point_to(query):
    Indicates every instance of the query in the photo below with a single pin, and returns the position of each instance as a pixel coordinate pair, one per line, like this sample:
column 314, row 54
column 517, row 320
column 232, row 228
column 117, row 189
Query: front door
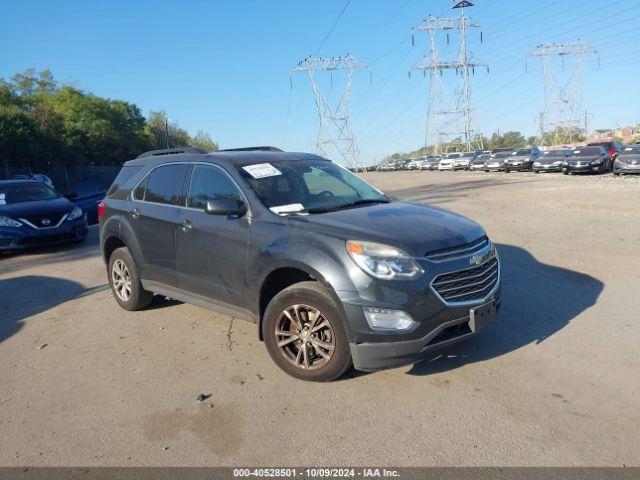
column 153, row 214
column 212, row 249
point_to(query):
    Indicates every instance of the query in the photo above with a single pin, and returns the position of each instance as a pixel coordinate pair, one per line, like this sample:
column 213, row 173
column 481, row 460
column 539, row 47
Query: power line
column 326, row 37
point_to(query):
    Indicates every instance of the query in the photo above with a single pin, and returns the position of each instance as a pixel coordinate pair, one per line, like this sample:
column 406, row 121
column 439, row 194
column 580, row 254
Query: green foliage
column 44, row 122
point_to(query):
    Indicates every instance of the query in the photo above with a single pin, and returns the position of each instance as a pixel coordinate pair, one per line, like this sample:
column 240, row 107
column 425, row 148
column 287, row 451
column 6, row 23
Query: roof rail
column 252, row 149
column 172, row 151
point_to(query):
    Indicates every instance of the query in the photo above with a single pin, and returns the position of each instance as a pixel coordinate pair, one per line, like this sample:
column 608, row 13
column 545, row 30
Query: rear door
column 212, row 249
column 153, row 213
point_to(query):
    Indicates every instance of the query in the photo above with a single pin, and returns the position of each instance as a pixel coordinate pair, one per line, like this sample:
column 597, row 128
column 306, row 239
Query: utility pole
column 449, row 114
column 563, row 107
column 335, row 134
column 166, row 129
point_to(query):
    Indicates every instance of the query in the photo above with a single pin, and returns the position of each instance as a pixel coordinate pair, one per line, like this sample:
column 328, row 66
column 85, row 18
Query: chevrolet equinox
column 334, row 272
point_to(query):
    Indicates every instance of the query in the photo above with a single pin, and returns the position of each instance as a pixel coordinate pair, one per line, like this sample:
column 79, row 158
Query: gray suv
column 334, row 272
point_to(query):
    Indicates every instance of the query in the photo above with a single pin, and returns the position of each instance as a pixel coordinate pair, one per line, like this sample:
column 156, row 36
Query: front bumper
column 624, row 168
column 581, row 168
column 19, row 238
column 495, row 168
column 381, row 355
column 547, row 168
column 439, row 322
column 519, row 167
column 442, row 168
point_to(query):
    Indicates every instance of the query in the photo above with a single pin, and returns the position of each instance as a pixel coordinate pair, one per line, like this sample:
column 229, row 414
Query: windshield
column 452, row 155
column 501, row 155
column 25, row 192
column 522, row 151
column 311, row 186
column 468, row 154
column 588, row 151
column 481, row 158
column 631, row 151
column 556, row 153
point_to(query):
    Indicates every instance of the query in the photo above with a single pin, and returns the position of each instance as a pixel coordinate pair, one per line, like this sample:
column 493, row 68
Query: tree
column 157, row 126
column 203, row 140
column 513, row 139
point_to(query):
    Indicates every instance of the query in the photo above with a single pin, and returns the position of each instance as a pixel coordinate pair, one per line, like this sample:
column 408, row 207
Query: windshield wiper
column 344, row 206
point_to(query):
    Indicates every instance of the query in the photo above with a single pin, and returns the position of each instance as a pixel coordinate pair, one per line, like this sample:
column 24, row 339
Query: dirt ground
column 554, row 382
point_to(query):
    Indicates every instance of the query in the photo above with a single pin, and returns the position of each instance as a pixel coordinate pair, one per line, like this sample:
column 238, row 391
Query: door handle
column 185, row 226
column 135, row 213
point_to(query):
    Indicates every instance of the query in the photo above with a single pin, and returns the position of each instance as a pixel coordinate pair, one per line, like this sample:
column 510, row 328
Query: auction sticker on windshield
column 2, row 199
column 262, row 170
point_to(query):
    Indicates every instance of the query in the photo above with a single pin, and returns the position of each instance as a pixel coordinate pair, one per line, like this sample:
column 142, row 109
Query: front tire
column 125, row 283
column 304, row 333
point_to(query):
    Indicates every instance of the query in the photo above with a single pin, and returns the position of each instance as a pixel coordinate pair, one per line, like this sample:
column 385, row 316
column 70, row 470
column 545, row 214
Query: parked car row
column 598, row 157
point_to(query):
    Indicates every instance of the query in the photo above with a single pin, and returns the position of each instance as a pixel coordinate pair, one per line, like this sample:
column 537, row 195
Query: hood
column 40, row 207
column 414, row 227
column 629, row 158
column 549, row 160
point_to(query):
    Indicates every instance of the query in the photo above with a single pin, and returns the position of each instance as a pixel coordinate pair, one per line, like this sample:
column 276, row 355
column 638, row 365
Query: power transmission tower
column 564, row 113
column 334, row 130
column 449, row 114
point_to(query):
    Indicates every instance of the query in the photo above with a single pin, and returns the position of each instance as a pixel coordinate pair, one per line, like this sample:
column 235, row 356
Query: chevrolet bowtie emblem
column 46, row 221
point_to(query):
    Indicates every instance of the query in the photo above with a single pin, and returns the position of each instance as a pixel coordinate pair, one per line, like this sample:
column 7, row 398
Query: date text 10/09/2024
column 316, row 472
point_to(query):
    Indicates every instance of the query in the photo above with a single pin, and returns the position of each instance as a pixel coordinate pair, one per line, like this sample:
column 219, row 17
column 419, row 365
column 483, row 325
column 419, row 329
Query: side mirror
column 229, row 207
column 71, row 196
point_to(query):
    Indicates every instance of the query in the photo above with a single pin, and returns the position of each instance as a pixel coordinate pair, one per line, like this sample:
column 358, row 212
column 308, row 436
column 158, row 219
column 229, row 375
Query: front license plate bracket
column 483, row 316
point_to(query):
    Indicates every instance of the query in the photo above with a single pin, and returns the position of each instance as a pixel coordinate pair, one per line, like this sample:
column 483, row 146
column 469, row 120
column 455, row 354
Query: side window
column 165, row 185
column 138, row 193
column 210, row 183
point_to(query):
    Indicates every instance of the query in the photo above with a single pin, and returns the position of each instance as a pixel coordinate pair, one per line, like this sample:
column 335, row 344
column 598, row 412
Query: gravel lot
column 554, row 382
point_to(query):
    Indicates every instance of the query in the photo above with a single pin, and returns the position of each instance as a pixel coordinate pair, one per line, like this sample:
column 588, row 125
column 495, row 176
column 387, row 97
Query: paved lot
column 555, row 382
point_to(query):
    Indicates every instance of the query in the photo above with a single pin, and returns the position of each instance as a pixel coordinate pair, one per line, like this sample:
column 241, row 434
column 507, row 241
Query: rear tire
column 293, row 339
column 125, row 283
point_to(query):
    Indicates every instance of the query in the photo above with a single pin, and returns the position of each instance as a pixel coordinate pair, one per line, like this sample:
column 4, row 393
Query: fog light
column 393, row 320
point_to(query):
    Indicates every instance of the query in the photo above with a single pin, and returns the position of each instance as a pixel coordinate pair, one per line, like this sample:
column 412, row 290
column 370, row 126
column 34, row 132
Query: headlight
column 383, row 261
column 75, row 213
column 9, row 222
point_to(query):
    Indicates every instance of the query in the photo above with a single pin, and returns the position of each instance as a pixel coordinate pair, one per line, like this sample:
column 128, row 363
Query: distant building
column 627, row 134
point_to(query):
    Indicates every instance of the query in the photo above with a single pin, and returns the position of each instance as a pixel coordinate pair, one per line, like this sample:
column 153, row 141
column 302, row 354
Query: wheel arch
column 284, row 276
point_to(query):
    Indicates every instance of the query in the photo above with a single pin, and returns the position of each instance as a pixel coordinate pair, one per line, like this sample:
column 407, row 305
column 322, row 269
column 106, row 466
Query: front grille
column 49, row 220
column 469, row 285
column 45, row 239
column 458, row 251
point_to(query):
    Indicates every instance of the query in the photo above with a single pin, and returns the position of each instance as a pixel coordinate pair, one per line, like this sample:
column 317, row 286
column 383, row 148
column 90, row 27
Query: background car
column 521, row 159
column 413, row 164
column 431, row 162
column 463, row 161
column 38, row 177
column 612, row 147
column 32, row 214
column 551, row 161
column 594, row 159
column 446, row 163
column 628, row 161
column 87, row 194
column 478, row 162
column 496, row 161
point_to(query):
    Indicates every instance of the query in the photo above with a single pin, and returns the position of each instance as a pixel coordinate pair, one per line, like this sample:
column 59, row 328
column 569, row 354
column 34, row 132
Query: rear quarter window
column 124, row 175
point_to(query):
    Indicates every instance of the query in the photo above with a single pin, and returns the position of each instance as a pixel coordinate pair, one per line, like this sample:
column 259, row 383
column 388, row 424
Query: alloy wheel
column 121, row 280
column 305, row 337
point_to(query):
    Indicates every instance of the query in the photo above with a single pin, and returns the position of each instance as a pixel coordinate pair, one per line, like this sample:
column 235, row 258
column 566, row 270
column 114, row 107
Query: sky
column 223, row 66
